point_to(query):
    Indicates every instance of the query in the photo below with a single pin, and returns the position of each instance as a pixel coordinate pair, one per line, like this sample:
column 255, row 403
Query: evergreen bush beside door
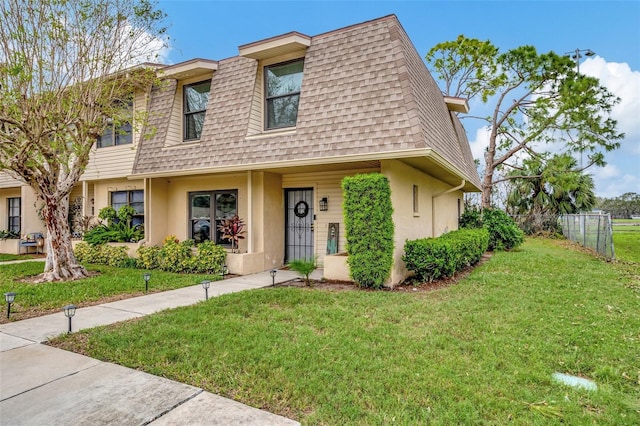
column 369, row 228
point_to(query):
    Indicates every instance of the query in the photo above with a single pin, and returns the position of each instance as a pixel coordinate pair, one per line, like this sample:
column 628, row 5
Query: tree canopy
column 66, row 69
column 539, row 104
column 623, row 206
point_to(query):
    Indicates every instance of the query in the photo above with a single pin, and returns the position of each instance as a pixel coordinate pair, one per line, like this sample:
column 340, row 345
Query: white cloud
column 624, row 83
column 480, row 143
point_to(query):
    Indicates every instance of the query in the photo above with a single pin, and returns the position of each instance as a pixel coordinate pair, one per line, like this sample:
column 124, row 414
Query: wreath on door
column 301, row 209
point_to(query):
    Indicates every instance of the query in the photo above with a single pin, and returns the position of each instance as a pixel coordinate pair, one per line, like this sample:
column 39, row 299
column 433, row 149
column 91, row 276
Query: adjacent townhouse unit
column 269, row 135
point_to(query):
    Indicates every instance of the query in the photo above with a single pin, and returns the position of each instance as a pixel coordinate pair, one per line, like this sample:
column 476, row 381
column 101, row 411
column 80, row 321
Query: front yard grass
column 626, row 242
column 5, row 257
column 479, row 352
column 108, row 283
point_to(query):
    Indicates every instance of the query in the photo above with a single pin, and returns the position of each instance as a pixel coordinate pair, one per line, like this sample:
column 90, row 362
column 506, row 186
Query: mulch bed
column 410, row 285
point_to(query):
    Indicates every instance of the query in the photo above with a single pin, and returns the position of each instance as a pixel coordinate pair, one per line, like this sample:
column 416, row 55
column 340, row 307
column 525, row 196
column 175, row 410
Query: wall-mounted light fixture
column 324, row 204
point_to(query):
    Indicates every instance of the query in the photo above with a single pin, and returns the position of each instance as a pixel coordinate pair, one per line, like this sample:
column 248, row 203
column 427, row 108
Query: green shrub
column 504, row 233
column 210, row 258
column 304, row 267
column 9, row 235
column 108, row 214
column 470, row 218
column 118, row 229
column 176, row 256
column 369, row 228
column 149, row 257
column 434, row 258
column 103, row 254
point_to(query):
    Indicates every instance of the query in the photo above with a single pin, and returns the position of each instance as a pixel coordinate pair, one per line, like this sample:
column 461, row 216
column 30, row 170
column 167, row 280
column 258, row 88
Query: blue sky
column 215, row 29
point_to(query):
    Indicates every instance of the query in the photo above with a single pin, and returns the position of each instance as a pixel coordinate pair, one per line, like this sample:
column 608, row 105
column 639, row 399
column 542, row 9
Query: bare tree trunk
column 61, row 263
column 487, row 187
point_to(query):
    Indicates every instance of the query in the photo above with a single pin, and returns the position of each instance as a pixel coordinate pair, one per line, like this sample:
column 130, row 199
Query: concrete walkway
column 42, row 385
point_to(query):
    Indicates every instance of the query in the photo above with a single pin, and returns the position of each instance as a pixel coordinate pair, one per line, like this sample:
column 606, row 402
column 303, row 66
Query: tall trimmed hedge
column 369, row 228
column 434, row 258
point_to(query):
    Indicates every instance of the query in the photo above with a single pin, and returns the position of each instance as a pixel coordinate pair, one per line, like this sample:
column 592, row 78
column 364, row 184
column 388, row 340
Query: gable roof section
column 366, row 95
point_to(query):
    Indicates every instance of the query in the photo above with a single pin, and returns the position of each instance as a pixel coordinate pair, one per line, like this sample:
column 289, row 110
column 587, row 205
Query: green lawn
column 626, row 243
column 37, row 299
column 478, row 352
column 4, row 257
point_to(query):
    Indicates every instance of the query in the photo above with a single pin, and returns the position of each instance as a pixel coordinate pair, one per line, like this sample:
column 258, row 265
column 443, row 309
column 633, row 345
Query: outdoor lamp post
column 273, row 273
column 69, row 311
column 577, row 54
column 206, row 284
column 146, row 277
column 9, row 297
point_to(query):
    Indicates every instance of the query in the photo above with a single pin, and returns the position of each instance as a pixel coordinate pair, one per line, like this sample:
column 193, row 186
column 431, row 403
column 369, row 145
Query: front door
column 299, row 224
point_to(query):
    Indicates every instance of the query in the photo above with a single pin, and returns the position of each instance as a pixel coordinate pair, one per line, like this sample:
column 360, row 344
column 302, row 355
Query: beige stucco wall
column 30, row 220
column 6, row 193
column 260, row 205
column 167, row 203
column 268, row 218
column 102, row 189
column 324, row 184
column 427, row 221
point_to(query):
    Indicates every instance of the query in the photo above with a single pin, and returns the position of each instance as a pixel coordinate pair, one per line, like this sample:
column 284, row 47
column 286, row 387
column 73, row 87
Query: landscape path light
column 206, row 284
column 146, row 277
column 9, row 297
column 69, row 312
column 273, row 273
column 224, row 271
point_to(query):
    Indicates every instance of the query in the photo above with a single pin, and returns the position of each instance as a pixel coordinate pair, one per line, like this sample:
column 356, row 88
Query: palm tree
column 541, row 190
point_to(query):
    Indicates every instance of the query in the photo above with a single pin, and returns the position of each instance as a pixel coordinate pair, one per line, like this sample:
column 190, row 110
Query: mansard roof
column 366, row 96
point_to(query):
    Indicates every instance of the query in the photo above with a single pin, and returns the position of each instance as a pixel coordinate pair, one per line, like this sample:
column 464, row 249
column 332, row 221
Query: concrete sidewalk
column 41, row 385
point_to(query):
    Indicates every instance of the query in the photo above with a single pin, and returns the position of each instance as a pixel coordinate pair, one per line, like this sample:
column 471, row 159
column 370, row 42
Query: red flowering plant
column 232, row 229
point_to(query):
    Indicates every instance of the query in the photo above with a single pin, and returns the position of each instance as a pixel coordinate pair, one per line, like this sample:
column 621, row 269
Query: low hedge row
column 180, row 256
column 434, row 258
column 173, row 256
column 103, row 254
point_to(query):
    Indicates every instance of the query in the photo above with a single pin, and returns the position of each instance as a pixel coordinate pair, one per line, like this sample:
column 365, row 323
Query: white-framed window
column 416, row 200
column 14, row 211
column 283, row 83
column 196, row 97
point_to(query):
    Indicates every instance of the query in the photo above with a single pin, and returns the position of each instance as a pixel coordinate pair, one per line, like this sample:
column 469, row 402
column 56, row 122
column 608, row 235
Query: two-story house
column 269, row 134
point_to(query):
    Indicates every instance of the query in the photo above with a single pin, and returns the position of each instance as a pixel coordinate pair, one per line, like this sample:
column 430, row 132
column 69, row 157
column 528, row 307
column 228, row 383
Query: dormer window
column 196, row 97
column 282, row 94
column 119, row 130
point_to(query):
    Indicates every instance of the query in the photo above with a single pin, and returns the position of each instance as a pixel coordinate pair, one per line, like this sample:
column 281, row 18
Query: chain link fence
column 593, row 231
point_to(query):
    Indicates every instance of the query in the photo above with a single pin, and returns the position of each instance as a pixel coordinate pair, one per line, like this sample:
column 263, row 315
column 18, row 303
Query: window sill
column 122, row 145
column 416, row 214
column 182, row 144
column 270, row 133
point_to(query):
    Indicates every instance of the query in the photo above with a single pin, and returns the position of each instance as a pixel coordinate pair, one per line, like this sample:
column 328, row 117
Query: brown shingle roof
column 365, row 91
